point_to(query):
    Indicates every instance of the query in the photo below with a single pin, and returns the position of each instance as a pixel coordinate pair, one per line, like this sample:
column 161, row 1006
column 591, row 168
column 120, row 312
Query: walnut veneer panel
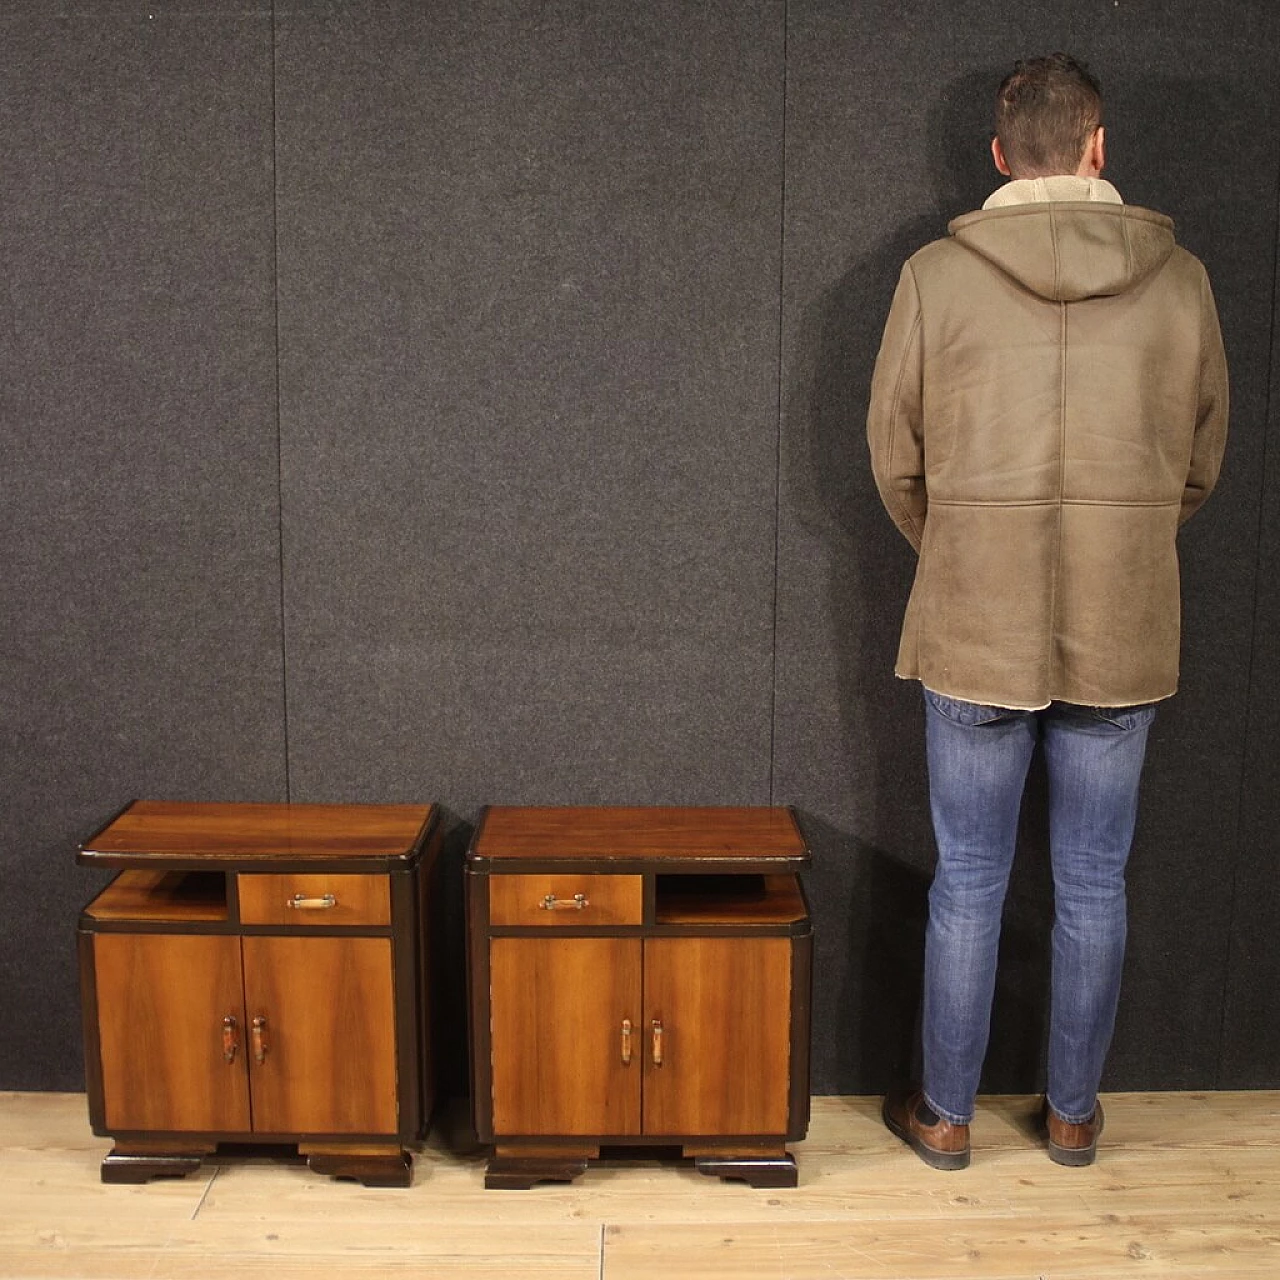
column 606, row 899
column 763, row 833
column 330, row 1062
column 722, row 1004
column 723, row 900
column 177, row 896
column 557, row 1007
column 162, row 831
column 270, row 899
column 163, row 1063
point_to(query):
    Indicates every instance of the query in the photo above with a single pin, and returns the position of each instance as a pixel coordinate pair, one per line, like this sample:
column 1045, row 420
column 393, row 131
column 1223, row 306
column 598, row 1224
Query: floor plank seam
column 204, row 1195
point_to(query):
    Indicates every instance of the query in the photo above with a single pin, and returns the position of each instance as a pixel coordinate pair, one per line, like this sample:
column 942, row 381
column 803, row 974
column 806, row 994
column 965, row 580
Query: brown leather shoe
column 1074, row 1145
column 938, row 1142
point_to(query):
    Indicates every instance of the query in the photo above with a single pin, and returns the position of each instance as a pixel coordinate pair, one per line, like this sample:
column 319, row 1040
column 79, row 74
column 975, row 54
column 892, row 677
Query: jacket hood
column 1067, row 250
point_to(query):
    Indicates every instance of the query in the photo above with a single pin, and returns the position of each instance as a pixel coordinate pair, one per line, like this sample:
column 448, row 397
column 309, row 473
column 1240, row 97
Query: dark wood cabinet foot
column 519, row 1173
column 126, row 1167
column 756, row 1171
column 392, row 1168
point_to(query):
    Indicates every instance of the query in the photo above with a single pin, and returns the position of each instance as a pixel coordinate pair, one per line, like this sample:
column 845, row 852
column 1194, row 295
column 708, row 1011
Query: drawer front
column 566, row 901
column 315, row 901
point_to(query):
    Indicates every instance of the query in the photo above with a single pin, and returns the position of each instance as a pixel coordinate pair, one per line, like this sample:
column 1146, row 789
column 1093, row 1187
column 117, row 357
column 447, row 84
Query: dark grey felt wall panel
column 535, row 472
column 1251, row 1013
column 1193, row 846
column 887, row 128
column 529, row 328
column 139, row 582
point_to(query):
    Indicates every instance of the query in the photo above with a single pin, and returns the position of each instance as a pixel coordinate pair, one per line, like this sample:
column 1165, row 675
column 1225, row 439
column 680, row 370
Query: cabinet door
column 562, row 1064
column 723, row 1006
column 168, row 1062
column 323, row 1059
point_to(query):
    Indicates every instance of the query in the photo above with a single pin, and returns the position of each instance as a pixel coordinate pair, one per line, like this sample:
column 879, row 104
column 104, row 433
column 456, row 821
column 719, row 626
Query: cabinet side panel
column 414, row 1074
column 328, row 1040
column 724, row 1008
column 161, row 1003
column 480, row 1059
column 801, row 1035
column 557, row 1012
column 89, row 1021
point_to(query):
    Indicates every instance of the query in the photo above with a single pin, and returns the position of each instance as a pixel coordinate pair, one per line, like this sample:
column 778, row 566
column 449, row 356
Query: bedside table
column 639, row 977
column 257, row 973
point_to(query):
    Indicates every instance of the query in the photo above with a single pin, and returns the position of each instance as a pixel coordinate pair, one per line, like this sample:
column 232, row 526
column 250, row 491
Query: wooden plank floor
column 1186, row 1185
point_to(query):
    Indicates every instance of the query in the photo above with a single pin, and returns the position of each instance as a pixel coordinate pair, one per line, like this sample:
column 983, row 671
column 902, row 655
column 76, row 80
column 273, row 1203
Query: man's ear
column 1094, row 159
column 997, row 154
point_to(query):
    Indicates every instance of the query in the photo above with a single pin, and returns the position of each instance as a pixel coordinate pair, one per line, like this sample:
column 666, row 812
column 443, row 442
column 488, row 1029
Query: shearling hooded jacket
column 1049, row 404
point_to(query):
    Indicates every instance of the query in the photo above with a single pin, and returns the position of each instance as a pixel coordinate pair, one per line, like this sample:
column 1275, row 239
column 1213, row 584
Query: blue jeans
column 978, row 759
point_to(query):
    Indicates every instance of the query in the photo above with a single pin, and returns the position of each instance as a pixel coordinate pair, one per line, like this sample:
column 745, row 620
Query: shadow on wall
column 871, row 1021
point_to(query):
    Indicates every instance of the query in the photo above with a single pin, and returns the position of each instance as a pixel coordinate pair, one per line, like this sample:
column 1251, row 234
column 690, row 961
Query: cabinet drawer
column 566, row 901
column 316, row 901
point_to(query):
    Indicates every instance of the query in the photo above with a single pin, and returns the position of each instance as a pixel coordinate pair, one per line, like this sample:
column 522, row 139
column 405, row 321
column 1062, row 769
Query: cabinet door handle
column 657, row 1042
column 230, row 1038
column 626, row 1042
column 578, row 902
column 259, row 1039
column 300, row 902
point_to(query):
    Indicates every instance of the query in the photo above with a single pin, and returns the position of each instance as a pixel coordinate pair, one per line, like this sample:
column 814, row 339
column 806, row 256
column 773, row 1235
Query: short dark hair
column 1046, row 112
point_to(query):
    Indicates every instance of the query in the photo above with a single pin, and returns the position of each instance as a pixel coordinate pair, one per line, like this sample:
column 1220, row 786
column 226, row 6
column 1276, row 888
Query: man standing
column 1048, row 406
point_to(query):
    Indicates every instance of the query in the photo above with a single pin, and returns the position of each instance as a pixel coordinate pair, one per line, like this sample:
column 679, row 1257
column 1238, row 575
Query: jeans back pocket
column 969, row 714
column 1126, row 718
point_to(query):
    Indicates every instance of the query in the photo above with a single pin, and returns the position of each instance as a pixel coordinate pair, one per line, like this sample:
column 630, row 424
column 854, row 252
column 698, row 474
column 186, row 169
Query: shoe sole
column 947, row 1161
column 1073, row 1157
column 1076, row 1157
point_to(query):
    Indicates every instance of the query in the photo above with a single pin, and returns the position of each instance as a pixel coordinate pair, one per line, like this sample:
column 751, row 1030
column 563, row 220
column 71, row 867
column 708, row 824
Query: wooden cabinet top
column 705, row 839
column 177, row 834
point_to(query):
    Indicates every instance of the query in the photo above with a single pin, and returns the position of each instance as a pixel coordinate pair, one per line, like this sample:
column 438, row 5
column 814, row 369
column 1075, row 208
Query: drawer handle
column 657, row 1042
column 626, row 1042
column 300, row 902
column 230, row 1038
column 259, row 1039
column 578, row 902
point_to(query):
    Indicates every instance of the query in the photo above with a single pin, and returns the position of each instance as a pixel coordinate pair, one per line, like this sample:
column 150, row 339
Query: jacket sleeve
column 895, row 427
column 1211, row 412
